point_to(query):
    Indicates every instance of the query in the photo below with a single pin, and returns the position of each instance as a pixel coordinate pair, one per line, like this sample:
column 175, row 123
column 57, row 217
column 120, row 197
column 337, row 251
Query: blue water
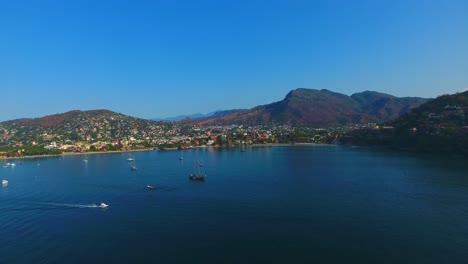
column 282, row 204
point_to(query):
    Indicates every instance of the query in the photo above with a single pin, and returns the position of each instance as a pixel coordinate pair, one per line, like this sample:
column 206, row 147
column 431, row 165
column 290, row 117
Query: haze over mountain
column 322, row 108
column 180, row 117
column 217, row 113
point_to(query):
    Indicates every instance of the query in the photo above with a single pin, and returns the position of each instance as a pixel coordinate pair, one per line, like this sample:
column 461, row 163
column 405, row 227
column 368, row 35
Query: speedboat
column 4, row 183
column 103, row 205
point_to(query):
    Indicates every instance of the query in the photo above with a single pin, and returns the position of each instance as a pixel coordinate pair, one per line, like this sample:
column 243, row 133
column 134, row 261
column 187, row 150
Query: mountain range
column 300, row 107
column 320, row 108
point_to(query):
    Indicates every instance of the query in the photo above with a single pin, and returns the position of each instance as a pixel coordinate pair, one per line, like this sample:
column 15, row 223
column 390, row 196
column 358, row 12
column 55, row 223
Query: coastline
column 292, row 144
column 156, row 149
column 74, row 153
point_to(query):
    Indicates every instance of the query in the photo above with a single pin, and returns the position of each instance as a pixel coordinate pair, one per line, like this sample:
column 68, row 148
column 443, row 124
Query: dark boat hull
column 197, row 177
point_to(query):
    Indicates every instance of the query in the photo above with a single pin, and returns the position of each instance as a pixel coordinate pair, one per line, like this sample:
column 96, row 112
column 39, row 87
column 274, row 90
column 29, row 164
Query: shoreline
column 292, row 144
column 75, row 153
column 157, row 149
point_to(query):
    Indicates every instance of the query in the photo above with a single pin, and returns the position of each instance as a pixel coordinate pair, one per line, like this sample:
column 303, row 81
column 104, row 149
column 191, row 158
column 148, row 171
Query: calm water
column 298, row 204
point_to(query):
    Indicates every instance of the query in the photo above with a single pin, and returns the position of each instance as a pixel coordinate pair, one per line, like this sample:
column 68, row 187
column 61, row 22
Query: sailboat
column 181, row 157
column 197, row 176
column 130, row 159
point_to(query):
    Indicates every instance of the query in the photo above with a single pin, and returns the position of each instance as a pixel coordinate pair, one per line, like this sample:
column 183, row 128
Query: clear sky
column 165, row 58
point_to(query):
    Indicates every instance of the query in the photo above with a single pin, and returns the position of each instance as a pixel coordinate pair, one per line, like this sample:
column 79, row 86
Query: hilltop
column 322, row 108
column 59, row 119
column 439, row 125
column 79, row 126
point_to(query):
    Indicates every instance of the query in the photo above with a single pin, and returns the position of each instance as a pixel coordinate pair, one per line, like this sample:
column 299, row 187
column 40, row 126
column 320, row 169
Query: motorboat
column 103, row 205
column 4, row 183
column 130, row 159
column 152, row 187
column 133, row 168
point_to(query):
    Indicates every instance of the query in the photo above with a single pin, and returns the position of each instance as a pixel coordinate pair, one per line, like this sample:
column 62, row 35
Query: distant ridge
column 57, row 119
column 217, row 113
column 322, row 108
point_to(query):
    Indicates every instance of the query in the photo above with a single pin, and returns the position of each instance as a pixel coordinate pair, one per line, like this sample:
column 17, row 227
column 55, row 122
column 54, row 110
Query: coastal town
column 438, row 125
column 108, row 131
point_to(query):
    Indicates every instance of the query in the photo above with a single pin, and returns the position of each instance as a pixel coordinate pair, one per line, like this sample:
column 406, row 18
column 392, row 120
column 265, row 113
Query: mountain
column 381, row 107
column 214, row 116
column 442, row 110
column 217, row 113
column 181, row 117
column 439, row 125
column 322, row 108
column 436, row 126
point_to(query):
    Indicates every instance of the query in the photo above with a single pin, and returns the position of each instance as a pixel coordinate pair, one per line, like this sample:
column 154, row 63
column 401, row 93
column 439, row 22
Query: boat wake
column 74, row 205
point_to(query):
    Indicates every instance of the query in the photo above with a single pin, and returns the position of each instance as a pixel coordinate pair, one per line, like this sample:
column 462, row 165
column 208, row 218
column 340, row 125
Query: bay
column 269, row 204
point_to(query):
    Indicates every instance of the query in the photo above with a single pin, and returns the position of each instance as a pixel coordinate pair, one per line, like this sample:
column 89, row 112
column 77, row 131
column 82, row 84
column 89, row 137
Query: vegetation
column 437, row 126
column 10, row 152
column 320, row 108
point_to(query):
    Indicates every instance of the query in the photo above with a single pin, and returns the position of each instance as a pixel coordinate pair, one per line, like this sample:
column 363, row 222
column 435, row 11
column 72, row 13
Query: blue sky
column 165, row 58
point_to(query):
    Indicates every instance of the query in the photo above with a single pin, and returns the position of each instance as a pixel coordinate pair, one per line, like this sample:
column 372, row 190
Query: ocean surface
column 272, row 204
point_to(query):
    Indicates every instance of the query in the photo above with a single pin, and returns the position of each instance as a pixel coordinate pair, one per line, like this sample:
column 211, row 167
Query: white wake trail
column 74, row 205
